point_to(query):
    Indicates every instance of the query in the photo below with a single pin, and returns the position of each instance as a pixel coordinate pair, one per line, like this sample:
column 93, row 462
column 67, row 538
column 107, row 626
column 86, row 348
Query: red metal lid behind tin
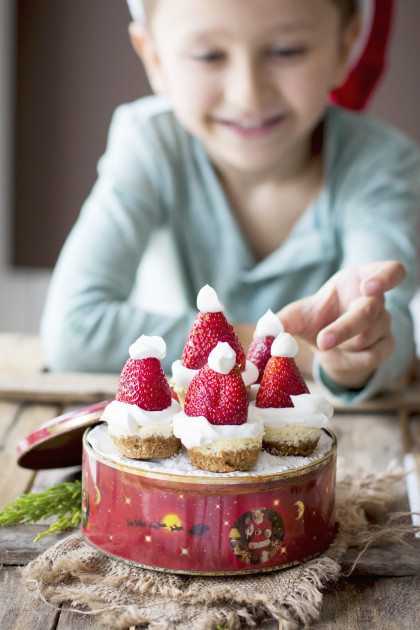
column 58, row 442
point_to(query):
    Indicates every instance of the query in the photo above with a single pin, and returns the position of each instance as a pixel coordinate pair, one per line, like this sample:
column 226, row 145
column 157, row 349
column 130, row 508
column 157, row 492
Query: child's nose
column 247, row 83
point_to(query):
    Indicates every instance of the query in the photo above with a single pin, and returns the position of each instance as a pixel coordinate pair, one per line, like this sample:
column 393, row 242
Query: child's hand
column 346, row 321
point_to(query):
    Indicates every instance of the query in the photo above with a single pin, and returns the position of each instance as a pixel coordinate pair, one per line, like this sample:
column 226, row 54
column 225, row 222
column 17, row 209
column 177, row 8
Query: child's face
column 248, row 77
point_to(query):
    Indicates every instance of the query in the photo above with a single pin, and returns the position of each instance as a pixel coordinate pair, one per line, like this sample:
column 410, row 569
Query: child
column 272, row 197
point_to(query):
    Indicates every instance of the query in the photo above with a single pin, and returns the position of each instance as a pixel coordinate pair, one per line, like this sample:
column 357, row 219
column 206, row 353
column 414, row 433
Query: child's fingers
column 385, row 276
column 375, row 355
column 380, row 329
column 363, row 313
column 352, row 369
column 294, row 316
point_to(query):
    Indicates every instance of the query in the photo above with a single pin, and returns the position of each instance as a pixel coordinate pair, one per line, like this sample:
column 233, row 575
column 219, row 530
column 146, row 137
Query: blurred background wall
column 64, row 67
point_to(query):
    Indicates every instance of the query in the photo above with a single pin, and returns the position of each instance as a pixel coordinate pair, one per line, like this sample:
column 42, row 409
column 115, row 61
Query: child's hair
column 139, row 9
column 347, row 8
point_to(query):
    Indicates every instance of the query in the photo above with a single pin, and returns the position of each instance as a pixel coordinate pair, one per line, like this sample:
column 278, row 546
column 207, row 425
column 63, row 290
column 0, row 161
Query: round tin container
column 189, row 521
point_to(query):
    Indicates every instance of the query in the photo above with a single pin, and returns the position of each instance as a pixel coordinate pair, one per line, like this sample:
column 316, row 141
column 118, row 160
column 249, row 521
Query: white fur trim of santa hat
column 367, row 9
column 136, row 10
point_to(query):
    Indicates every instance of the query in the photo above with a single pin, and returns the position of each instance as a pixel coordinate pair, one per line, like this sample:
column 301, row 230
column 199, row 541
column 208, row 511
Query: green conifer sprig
column 63, row 500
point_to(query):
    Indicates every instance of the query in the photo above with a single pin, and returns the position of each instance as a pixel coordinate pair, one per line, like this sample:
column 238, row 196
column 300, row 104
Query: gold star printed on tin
column 185, row 551
column 283, row 550
column 218, row 506
column 148, row 539
column 128, row 500
column 276, row 502
column 226, row 522
column 180, row 495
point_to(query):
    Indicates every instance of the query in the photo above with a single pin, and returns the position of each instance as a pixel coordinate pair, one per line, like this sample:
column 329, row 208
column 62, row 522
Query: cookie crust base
column 146, row 448
column 224, row 461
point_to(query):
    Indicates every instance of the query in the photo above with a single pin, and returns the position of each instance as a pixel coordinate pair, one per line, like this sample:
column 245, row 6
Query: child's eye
column 209, row 57
column 288, row 52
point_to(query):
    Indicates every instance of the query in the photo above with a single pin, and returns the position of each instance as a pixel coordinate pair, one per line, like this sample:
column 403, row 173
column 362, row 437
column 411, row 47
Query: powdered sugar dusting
column 179, row 464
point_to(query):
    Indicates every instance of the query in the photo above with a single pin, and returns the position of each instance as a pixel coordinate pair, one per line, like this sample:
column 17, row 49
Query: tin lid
column 58, row 442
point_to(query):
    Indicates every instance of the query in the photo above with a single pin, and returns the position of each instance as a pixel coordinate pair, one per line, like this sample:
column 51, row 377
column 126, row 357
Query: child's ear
column 145, row 48
column 347, row 42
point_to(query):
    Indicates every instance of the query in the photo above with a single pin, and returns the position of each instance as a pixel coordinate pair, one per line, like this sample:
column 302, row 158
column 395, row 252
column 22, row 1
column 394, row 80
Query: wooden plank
column 17, row 545
column 19, row 609
column 371, row 604
column 46, row 478
column 396, row 560
column 8, row 413
column 15, row 480
column 57, row 387
column 407, row 398
column 21, row 352
column 368, row 443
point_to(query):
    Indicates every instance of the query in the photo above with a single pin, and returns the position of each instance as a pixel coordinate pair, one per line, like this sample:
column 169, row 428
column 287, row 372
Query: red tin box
column 205, row 523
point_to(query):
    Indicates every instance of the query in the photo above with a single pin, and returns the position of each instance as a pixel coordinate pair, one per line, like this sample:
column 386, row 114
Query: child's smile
column 249, row 78
column 252, row 129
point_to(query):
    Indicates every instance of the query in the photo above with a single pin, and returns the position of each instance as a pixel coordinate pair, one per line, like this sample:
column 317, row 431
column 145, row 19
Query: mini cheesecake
column 140, row 419
column 292, row 416
column 214, row 426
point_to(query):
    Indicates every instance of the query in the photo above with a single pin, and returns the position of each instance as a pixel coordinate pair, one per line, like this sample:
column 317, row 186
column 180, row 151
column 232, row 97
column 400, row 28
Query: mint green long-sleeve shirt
column 155, row 174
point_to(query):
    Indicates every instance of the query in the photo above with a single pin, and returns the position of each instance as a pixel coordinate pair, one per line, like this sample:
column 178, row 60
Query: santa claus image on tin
column 258, row 533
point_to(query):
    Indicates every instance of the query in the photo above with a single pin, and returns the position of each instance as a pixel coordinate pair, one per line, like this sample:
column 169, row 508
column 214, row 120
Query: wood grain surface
column 380, row 594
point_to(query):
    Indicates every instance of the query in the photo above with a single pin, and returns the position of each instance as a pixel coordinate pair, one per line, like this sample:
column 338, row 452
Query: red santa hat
column 367, row 60
column 368, row 57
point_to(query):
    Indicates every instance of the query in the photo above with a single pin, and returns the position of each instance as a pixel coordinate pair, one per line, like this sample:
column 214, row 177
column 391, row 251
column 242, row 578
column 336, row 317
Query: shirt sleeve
column 89, row 321
column 379, row 220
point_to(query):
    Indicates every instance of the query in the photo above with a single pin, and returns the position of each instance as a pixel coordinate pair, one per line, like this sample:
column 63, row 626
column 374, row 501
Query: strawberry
column 280, row 380
column 267, row 329
column 143, row 383
column 221, row 398
column 259, row 353
column 207, row 330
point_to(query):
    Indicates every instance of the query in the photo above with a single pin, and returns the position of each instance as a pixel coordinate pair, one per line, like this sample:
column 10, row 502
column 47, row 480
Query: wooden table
column 382, row 593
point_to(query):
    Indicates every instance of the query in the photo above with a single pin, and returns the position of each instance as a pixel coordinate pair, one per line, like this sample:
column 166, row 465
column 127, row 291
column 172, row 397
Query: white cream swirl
column 208, row 302
column 198, row 431
column 146, row 347
column 129, row 418
column 222, row 358
column 269, row 325
column 310, row 410
column 182, row 376
column 284, row 345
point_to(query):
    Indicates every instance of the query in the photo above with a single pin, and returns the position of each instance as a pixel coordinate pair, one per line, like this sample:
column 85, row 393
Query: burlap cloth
column 74, row 575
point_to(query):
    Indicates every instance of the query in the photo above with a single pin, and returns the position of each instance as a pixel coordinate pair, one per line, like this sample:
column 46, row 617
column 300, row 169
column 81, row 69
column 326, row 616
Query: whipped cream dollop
column 284, row 345
column 208, row 302
column 222, row 358
column 310, row 410
column 148, row 348
column 198, row 431
column 269, row 325
column 250, row 373
column 182, row 376
column 130, row 417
